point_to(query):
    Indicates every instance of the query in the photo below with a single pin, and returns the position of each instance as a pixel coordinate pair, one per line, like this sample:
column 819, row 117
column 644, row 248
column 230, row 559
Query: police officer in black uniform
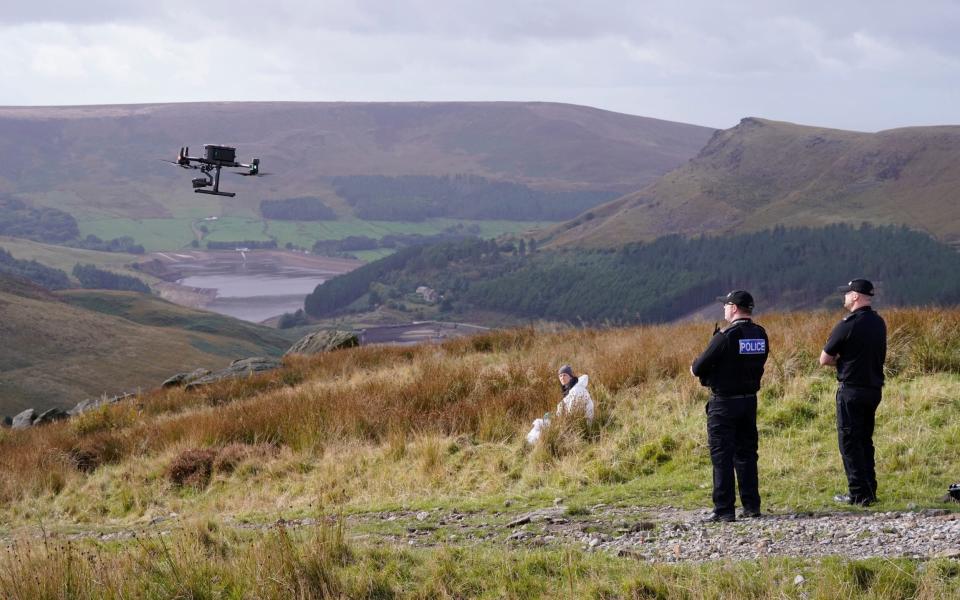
column 731, row 367
column 857, row 347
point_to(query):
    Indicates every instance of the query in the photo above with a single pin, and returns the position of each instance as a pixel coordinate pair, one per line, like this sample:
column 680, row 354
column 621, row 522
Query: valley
column 252, row 285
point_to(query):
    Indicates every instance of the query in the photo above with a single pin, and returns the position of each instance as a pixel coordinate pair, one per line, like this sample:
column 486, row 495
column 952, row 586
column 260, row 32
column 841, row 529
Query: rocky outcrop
column 50, row 416
column 93, row 403
column 243, row 367
column 185, row 378
column 30, row 418
column 325, row 341
column 24, row 419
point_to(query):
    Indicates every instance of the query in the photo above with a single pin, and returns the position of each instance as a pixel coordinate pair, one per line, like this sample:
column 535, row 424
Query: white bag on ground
column 534, row 434
column 577, row 398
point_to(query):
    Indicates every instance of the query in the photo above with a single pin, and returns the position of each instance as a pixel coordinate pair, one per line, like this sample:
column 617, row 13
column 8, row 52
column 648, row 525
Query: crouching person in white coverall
column 575, row 398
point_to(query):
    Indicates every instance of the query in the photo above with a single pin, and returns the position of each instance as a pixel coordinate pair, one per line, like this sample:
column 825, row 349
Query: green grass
column 305, row 234
column 204, row 559
column 152, row 234
column 372, row 255
column 443, row 425
column 230, row 229
column 376, row 429
column 171, row 234
column 64, row 258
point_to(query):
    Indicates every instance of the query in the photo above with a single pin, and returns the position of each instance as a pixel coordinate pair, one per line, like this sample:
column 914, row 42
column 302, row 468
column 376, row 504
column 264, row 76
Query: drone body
column 214, row 158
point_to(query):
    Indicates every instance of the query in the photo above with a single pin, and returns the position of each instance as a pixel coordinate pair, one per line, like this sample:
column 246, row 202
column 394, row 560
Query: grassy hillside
column 62, row 348
column 418, row 428
column 64, row 157
column 64, row 258
column 761, row 173
column 165, row 234
column 381, row 426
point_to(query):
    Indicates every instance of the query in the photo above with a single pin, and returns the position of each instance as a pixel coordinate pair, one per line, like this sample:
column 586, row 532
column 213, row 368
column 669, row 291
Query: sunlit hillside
column 377, row 429
column 380, row 425
column 763, row 173
column 60, row 348
column 64, row 157
column 441, row 427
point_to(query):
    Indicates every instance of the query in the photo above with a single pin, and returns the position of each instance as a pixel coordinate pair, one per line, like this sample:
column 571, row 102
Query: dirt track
column 663, row 534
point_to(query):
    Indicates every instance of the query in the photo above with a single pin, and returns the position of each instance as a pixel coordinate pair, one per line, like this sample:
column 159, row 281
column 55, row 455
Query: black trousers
column 732, row 436
column 856, row 412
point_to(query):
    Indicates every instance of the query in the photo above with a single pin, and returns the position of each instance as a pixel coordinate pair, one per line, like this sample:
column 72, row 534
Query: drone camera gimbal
column 214, row 158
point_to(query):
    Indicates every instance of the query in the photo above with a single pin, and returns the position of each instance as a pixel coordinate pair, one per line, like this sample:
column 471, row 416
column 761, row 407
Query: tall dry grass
column 205, row 561
column 487, row 388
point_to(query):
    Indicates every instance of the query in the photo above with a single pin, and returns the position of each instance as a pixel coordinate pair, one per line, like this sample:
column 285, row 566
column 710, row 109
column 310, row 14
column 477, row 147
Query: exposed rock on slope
column 763, row 173
column 325, row 341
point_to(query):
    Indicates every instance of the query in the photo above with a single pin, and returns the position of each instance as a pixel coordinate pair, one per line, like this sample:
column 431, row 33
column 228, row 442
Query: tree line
column 54, row 226
column 671, row 276
column 666, row 278
column 40, row 274
column 392, row 241
column 89, row 276
column 121, row 244
column 399, row 269
column 18, row 219
column 419, row 197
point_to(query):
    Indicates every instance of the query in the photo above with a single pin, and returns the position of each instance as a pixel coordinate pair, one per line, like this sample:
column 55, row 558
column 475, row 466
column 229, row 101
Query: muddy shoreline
column 175, row 267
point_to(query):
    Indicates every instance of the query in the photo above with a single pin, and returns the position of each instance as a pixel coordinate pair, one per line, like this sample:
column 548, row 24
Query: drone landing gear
column 207, row 180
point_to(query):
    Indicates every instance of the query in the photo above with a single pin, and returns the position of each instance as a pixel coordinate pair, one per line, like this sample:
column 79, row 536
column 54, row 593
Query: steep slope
column 762, row 173
column 102, row 161
column 61, row 348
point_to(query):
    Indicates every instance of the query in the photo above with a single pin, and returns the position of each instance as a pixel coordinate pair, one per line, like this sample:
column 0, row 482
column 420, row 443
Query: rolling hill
column 764, row 173
column 102, row 161
column 64, row 258
column 63, row 347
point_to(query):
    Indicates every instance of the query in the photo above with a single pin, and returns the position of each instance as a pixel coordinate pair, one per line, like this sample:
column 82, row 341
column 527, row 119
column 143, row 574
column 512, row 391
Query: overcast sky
column 854, row 65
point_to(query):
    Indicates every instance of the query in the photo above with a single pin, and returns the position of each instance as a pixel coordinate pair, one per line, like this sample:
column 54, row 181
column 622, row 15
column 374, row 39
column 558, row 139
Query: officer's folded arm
column 827, row 360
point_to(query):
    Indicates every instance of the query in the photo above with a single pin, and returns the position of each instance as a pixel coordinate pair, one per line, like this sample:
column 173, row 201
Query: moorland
column 308, row 481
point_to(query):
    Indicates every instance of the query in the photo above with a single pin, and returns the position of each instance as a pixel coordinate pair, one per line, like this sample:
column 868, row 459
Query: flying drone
column 214, row 158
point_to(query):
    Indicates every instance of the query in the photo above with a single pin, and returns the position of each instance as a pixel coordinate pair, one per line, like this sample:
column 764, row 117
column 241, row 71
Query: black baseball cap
column 741, row 298
column 860, row 286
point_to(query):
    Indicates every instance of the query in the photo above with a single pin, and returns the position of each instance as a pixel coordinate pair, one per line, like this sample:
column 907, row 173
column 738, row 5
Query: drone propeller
column 257, row 174
column 179, row 164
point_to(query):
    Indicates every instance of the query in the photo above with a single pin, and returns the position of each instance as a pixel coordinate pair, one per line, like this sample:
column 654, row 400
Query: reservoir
column 252, row 285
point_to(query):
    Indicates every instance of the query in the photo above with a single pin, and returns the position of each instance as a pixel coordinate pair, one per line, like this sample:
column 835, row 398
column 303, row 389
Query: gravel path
column 674, row 535
column 662, row 534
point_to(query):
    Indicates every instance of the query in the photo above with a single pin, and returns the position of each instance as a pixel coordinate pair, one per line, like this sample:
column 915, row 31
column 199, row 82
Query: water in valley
column 255, row 286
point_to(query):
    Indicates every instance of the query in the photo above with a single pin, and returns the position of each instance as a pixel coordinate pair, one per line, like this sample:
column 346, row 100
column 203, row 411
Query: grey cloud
column 856, row 64
column 85, row 12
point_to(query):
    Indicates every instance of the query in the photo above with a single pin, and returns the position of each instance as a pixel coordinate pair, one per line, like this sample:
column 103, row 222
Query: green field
column 171, row 234
column 152, row 234
column 64, row 258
